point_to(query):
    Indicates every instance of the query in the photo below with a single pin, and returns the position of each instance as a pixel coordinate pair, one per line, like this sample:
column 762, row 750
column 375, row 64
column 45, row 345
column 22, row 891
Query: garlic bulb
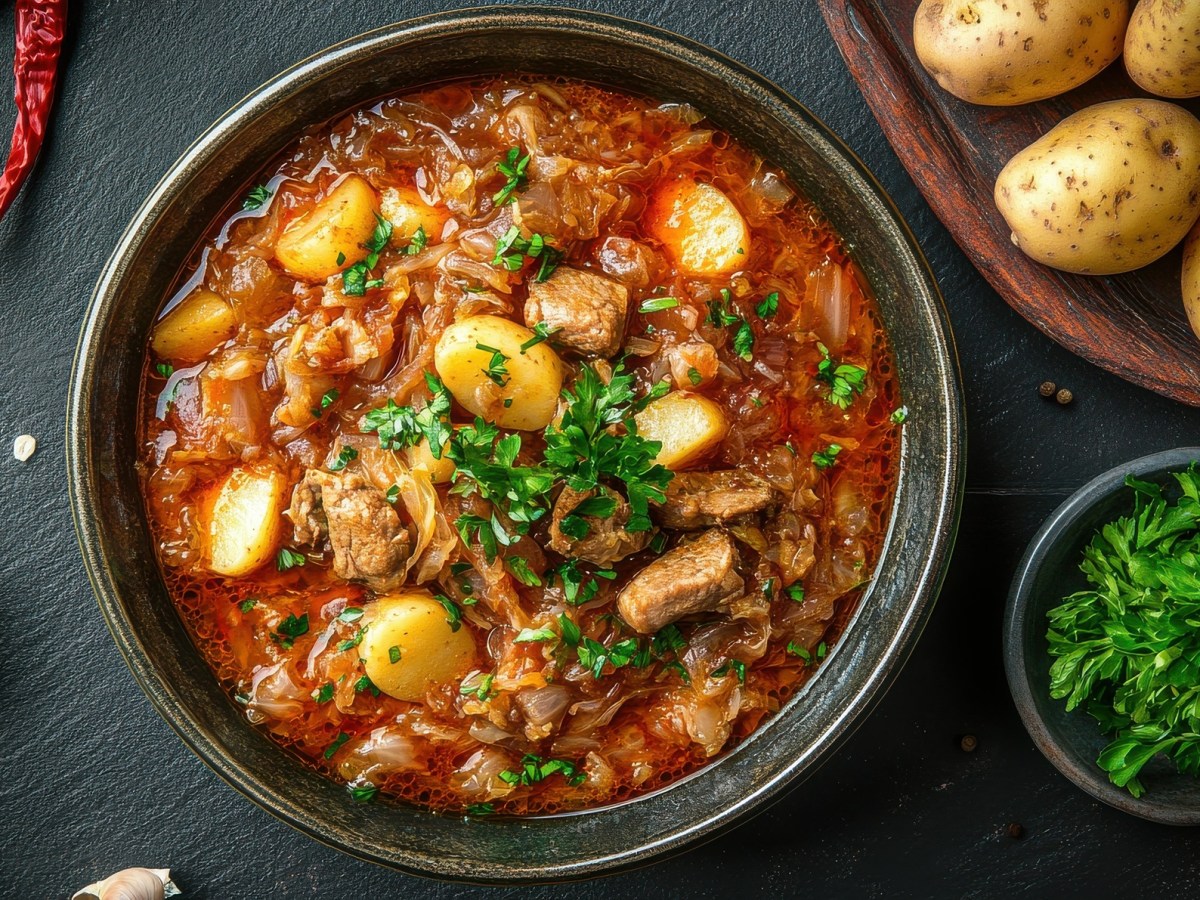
column 131, row 884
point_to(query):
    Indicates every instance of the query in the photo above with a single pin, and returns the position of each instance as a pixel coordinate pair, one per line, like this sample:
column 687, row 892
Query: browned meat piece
column 702, row 499
column 585, row 310
column 368, row 540
column 606, row 540
column 692, row 578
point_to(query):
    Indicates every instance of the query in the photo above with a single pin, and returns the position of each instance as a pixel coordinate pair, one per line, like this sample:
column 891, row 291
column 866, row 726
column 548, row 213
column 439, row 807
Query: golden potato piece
column 243, row 532
column 480, row 361
column 440, row 470
column 409, row 645
column 190, row 331
column 337, row 227
column 688, row 425
column 700, row 228
column 407, row 212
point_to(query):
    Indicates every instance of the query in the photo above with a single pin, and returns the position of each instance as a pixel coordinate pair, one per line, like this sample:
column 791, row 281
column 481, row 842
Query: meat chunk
column 586, row 311
column 606, row 539
column 692, row 578
column 369, row 542
column 703, row 499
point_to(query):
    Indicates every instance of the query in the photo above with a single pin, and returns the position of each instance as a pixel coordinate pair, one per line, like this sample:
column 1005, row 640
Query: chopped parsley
column 796, row 650
column 518, row 567
column 248, row 604
column 258, row 195
column 418, row 242
column 336, row 745
column 578, row 589
column 535, row 769
column 495, row 370
column 571, row 635
column 327, row 400
column 353, row 642
column 719, row 315
column 346, row 454
column 899, row 415
column 694, row 376
column 535, row 635
column 743, row 342
column 363, row 793
column 541, row 331
column 477, row 685
column 480, row 809
column 657, row 304
column 289, row 629
column 734, row 665
column 289, row 559
column 845, row 380
column 453, row 613
column 795, row 592
column 350, row 614
column 824, row 459
column 768, row 306
column 512, row 250
column 512, row 167
column 166, row 370
column 399, row 427
column 392, row 494
column 355, row 282
column 594, row 655
column 393, row 654
column 324, row 693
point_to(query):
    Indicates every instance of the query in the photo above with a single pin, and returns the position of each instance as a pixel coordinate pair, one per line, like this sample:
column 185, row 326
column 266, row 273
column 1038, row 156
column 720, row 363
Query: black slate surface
column 91, row 780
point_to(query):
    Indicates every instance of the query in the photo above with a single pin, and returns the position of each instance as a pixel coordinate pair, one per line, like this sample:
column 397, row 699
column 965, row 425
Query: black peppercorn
column 1064, row 396
column 1016, row 831
column 1047, row 388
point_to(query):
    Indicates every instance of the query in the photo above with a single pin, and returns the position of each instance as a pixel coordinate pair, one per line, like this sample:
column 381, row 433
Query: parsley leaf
column 541, row 331
column 512, row 250
column 480, row 809
column 535, row 636
column 258, row 195
column 845, row 380
column 899, row 415
column 657, row 304
column 248, row 604
column 393, row 654
column 353, row 642
column 694, row 376
column 518, row 567
column 166, row 370
column 336, row 745
column 743, row 342
column 768, row 306
column 418, row 242
column 824, row 459
column 327, row 400
column 535, row 769
column 512, row 167
column 363, row 793
column 289, row 559
column 571, row 635
column 453, row 613
column 719, row 315
column 477, row 685
column 355, row 282
column 289, row 629
column 495, row 371
column 324, row 693
column 347, row 454
column 399, row 427
column 577, row 589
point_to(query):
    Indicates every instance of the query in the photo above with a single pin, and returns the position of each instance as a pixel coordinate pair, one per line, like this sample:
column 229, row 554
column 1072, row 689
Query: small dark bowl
column 110, row 516
column 1048, row 572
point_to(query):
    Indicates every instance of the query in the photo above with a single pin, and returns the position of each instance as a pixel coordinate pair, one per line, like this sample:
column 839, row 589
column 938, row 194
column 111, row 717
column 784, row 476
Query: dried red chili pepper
column 41, row 25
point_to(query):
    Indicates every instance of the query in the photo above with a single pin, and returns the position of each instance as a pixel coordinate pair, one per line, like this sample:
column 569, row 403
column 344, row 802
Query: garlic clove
column 131, row 884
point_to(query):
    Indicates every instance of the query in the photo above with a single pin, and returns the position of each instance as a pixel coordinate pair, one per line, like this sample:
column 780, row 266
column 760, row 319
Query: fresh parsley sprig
column 512, row 167
column 1127, row 649
column 355, row 280
column 512, row 249
column 845, row 381
column 399, row 427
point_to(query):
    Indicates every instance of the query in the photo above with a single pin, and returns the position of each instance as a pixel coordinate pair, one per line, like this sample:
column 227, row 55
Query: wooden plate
column 1132, row 324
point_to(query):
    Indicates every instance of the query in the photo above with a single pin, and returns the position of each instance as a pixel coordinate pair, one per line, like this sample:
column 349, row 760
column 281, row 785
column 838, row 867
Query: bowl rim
column 948, row 478
column 1089, row 778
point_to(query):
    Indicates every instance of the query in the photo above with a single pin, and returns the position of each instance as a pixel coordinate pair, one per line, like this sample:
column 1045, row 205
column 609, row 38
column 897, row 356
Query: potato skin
column 1190, row 280
column 192, row 329
column 1109, row 189
column 1162, row 47
column 1008, row 52
column 534, row 377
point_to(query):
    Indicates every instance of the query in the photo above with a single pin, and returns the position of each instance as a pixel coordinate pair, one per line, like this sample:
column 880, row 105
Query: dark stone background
column 91, row 780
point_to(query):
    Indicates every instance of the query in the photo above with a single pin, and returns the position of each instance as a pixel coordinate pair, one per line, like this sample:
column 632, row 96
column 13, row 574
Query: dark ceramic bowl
column 108, row 507
column 1048, row 572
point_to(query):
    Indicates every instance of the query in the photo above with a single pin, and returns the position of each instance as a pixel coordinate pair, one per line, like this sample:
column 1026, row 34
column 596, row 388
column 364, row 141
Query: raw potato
column 340, row 223
column 1109, row 189
column 532, row 382
column 428, row 651
column 1191, row 278
column 688, row 425
column 440, row 470
column 246, row 518
column 200, row 322
column 407, row 212
column 700, row 228
column 1007, row 52
column 1162, row 47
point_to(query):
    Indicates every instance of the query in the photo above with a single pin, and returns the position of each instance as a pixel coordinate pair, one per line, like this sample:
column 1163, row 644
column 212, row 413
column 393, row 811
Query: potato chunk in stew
column 700, row 227
column 196, row 326
column 335, row 229
column 688, row 425
column 243, row 532
column 409, row 645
